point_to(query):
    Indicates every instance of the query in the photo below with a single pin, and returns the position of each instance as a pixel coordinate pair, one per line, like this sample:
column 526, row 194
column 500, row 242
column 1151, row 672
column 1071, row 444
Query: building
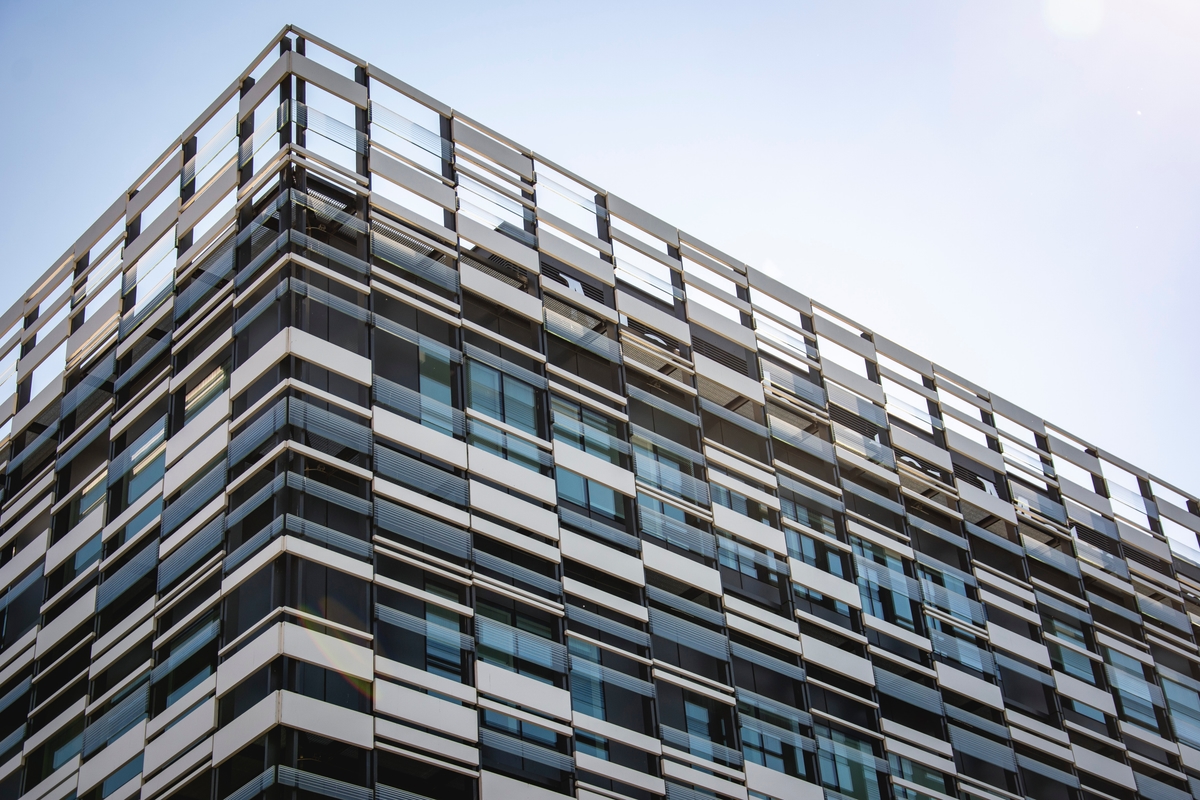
column 359, row 452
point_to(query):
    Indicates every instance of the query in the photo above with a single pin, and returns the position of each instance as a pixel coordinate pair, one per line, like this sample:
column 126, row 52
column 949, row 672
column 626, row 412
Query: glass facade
column 360, row 452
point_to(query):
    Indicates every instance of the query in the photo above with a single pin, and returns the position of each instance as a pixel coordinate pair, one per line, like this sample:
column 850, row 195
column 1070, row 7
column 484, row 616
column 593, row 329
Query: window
column 961, row 649
column 952, row 592
column 681, row 642
column 88, row 554
column 515, row 567
column 88, row 499
column 587, row 691
column 609, row 686
column 760, row 577
column 436, row 376
column 660, row 408
column 696, row 716
column 150, row 462
column 887, row 592
column 330, row 497
column 809, row 507
column 736, row 427
column 595, row 498
column 1184, row 703
column 15, row 713
column 1133, row 690
column 775, row 736
column 519, row 639
column 745, row 506
column 849, row 765
column 424, row 779
column 824, row 607
column 21, row 608
column 1027, row 688
column 499, row 320
column 417, row 360
column 422, row 634
column 329, row 593
column 328, row 686
column 137, row 470
column 45, row 372
column 1089, row 717
column 819, row 554
column 591, row 358
column 519, row 451
column 920, row 774
column 525, row 750
column 767, row 672
column 300, row 584
column 873, row 501
column 328, row 758
column 443, row 656
column 198, row 396
column 193, row 656
column 1065, row 640
column 669, row 467
column 503, row 397
column 57, row 751
column 675, row 529
column 697, row 724
column 585, row 429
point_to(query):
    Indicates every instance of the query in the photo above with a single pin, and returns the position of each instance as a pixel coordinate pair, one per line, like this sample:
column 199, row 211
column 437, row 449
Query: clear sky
column 1009, row 187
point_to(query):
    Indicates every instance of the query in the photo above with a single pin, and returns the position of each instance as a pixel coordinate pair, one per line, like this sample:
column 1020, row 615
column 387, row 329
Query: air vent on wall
column 719, row 354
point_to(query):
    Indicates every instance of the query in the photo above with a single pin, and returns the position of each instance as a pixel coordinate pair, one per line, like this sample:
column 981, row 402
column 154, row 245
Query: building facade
column 360, row 452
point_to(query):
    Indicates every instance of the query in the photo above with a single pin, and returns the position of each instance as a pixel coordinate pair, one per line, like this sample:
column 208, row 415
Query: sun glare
column 1074, row 19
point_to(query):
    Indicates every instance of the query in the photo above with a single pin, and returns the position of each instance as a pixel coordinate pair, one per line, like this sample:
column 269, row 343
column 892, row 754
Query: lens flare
column 337, row 657
column 1074, row 19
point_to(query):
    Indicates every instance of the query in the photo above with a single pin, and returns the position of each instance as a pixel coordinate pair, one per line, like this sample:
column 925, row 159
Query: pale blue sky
column 1011, row 188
